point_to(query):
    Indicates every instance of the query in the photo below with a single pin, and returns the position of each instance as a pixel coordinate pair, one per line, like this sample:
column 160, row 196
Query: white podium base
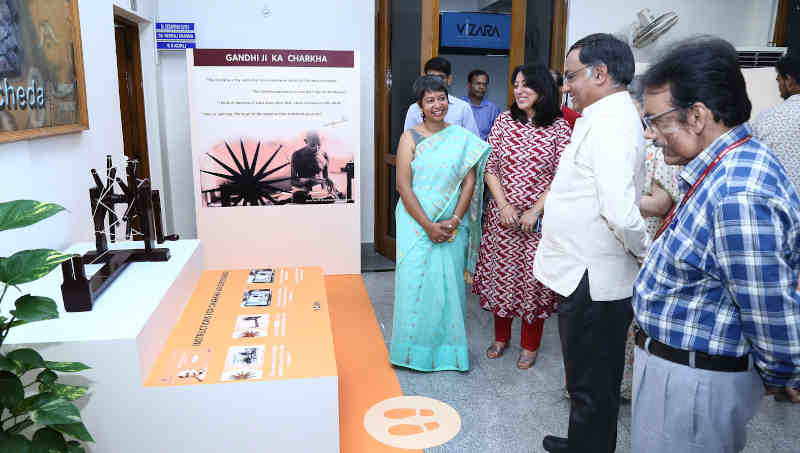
column 121, row 338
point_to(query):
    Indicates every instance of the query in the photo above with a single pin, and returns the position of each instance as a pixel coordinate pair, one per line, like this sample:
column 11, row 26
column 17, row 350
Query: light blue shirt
column 458, row 112
column 485, row 114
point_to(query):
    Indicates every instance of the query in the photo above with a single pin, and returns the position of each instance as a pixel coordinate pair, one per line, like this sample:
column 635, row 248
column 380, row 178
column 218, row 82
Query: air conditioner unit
column 759, row 57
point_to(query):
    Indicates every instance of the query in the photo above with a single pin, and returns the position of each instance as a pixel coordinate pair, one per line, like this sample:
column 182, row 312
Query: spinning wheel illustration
column 246, row 186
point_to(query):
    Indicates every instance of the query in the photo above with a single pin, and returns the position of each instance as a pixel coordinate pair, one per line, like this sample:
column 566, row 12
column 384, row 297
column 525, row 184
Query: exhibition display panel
column 140, row 316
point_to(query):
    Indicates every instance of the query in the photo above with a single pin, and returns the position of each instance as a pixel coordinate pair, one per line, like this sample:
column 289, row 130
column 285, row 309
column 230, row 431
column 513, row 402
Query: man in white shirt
column 459, row 112
column 779, row 127
column 592, row 235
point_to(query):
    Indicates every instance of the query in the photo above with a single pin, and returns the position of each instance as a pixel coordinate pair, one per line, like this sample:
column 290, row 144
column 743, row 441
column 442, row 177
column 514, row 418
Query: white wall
column 459, row 5
column 742, row 22
column 57, row 168
column 297, row 24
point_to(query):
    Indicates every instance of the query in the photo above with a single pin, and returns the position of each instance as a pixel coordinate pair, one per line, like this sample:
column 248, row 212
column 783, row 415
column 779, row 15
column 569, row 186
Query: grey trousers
column 687, row 410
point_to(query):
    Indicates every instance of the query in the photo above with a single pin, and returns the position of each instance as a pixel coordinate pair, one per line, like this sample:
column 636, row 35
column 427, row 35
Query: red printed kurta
column 524, row 158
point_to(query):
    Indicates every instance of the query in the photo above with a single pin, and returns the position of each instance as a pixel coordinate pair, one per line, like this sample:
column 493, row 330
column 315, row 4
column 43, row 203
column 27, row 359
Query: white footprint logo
column 412, row 422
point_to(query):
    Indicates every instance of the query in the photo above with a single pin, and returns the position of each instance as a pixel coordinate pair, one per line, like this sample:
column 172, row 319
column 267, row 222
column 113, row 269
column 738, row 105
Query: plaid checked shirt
column 722, row 278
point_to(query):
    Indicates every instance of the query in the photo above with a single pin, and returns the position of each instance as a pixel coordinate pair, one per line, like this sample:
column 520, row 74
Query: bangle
column 459, row 218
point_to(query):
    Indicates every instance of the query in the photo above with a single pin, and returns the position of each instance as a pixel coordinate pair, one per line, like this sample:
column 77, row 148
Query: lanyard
column 668, row 219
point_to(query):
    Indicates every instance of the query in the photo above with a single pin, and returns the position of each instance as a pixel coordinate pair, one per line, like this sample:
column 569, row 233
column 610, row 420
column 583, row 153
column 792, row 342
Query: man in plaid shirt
column 716, row 300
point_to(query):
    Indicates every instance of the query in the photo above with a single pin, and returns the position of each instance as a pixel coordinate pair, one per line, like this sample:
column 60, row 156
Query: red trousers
column 531, row 332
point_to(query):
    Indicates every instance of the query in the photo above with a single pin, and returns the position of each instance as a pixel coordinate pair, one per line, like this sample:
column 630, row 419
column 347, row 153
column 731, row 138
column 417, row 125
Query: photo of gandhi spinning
column 309, row 168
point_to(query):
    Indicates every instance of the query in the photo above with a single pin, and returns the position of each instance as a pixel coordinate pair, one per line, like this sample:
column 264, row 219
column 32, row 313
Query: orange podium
column 256, row 348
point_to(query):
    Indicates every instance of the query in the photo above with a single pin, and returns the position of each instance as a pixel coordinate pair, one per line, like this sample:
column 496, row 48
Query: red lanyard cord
column 671, row 216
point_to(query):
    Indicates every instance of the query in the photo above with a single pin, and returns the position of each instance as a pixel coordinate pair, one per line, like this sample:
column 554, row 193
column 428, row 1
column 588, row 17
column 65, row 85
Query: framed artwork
column 42, row 84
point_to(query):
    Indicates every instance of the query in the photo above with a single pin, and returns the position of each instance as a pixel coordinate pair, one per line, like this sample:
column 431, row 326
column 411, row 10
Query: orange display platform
column 239, row 326
column 365, row 375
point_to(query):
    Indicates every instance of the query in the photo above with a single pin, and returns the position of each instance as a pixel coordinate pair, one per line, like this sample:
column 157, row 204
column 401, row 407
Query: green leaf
column 29, row 265
column 48, row 440
column 47, row 377
column 6, row 364
column 35, row 308
column 15, row 444
column 21, row 426
column 33, row 402
column 76, row 430
column 56, row 412
column 67, row 367
column 26, row 359
column 68, row 392
column 74, row 447
column 11, row 390
column 21, row 213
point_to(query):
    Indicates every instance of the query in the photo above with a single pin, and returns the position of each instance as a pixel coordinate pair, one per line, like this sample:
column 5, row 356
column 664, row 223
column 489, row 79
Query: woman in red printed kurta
column 526, row 144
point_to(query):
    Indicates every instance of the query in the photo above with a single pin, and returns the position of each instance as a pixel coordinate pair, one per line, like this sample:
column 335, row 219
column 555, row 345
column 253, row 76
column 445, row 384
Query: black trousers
column 593, row 335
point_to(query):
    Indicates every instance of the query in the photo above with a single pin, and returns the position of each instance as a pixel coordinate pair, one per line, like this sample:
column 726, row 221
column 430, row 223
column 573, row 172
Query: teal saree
column 428, row 331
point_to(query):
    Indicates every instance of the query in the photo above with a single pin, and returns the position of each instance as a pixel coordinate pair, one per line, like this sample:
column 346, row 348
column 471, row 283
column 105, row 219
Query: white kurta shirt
column 458, row 112
column 591, row 216
column 779, row 128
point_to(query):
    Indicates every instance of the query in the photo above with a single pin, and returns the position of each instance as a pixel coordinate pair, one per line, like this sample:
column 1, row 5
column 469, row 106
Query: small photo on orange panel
column 251, row 326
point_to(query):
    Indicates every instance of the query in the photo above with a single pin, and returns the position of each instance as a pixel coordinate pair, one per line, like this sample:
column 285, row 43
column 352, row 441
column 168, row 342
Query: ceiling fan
column 651, row 28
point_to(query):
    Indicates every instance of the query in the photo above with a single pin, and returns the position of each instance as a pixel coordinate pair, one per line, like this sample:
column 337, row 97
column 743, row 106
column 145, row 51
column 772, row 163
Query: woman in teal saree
column 440, row 181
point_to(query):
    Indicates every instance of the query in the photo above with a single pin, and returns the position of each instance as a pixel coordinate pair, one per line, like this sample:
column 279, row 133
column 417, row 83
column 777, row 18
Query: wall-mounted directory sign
column 175, row 35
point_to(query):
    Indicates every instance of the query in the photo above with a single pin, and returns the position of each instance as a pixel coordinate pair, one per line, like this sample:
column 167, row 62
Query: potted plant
column 30, row 394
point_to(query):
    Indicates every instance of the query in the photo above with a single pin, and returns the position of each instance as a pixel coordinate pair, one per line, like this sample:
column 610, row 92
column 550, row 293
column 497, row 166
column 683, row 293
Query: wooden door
column 131, row 95
column 407, row 34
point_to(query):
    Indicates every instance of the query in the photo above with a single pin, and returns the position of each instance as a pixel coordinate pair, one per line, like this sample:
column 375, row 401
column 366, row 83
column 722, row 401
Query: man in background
column 779, row 127
column 485, row 111
column 458, row 112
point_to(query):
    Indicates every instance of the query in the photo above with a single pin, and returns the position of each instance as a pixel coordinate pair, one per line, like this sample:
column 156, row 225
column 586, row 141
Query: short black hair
column 703, row 69
column 475, row 73
column 789, row 65
column 558, row 77
column 548, row 107
column 604, row 48
column 438, row 64
column 428, row 84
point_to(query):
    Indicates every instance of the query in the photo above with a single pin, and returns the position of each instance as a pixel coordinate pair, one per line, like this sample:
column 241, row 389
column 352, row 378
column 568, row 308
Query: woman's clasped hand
column 441, row 231
column 509, row 216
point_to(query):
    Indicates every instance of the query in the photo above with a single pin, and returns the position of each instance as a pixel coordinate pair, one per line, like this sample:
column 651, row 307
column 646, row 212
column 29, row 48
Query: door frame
column 133, row 135
column 429, row 48
column 384, row 244
column 384, row 159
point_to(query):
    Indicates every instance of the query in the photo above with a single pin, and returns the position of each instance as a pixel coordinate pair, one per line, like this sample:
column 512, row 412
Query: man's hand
column 784, row 394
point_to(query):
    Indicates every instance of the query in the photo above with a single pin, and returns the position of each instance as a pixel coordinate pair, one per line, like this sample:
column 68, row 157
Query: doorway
column 131, row 95
column 407, row 35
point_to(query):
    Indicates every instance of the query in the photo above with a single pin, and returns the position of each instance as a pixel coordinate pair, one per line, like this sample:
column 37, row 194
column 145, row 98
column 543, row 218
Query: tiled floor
column 371, row 261
column 507, row 410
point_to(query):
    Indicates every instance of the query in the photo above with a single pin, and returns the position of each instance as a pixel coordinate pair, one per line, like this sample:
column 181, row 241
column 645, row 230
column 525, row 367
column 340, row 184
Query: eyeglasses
column 570, row 76
column 649, row 121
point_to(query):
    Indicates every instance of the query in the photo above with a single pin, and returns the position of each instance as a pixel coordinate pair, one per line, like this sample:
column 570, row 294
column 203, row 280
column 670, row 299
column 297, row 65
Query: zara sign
column 475, row 31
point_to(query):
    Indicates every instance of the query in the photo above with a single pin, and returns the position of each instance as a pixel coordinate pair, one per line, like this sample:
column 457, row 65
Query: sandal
column 496, row 350
column 526, row 359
